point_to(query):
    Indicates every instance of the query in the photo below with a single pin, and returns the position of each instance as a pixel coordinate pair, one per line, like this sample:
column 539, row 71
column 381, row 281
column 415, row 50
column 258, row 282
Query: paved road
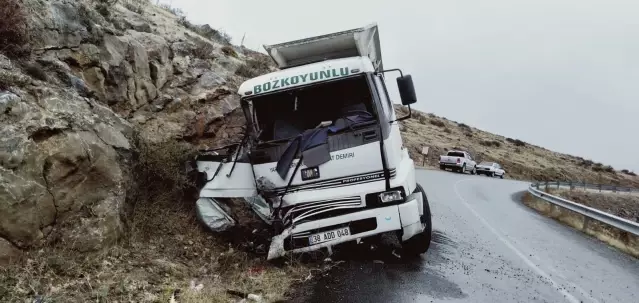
column 487, row 247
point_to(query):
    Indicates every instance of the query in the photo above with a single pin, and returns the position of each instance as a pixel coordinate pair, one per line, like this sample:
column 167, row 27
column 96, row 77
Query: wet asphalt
column 486, row 247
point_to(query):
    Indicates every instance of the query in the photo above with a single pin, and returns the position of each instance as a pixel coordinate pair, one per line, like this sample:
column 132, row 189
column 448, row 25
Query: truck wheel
column 419, row 243
column 463, row 169
column 501, row 176
column 474, row 171
column 492, row 174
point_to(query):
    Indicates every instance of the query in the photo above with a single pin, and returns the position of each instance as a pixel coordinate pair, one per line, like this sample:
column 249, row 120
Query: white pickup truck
column 459, row 161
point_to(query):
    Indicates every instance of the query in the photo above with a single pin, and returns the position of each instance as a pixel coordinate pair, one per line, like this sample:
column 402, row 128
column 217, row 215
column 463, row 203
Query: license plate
column 310, row 173
column 329, row 235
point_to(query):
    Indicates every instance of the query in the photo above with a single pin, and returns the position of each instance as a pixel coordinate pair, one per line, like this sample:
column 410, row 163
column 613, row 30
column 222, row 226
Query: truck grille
column 321, row 209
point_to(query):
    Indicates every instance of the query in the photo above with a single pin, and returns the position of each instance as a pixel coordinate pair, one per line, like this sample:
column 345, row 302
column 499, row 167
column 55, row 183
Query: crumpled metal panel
column 210, row 212
column 260, row 207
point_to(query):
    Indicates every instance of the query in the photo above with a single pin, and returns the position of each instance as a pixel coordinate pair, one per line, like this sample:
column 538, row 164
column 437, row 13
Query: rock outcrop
column 64, row 166
column 71, row 115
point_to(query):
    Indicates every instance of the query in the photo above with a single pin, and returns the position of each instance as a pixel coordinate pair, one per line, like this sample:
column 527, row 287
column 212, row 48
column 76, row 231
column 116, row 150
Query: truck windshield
column 286, row 114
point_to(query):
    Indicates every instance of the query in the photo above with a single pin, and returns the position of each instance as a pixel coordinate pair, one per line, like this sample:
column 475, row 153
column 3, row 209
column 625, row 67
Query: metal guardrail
column 612, row 220
column 583, row 185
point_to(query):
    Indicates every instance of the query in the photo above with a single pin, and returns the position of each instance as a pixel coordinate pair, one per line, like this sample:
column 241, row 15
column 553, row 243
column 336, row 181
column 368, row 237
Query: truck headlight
column 390, row 196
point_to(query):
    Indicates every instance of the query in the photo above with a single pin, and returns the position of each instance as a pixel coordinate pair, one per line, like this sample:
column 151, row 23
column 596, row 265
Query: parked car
column 490, row 169
column 459, row 161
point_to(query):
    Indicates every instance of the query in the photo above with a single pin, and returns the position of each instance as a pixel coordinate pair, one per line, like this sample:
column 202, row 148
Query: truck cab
column 322, row 158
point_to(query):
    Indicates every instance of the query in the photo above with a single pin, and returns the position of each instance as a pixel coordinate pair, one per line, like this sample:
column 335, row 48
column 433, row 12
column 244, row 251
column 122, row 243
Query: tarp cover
column 353, row 115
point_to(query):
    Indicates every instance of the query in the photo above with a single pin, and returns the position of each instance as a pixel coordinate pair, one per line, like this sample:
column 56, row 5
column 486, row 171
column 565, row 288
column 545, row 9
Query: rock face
column 63, row 164
column 68, row 121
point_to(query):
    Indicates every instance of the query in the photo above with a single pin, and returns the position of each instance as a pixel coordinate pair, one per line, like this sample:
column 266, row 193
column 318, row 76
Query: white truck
column 322, row 159
column 459, row 161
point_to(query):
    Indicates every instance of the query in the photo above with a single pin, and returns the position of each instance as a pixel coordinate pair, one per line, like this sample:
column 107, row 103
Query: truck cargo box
column 362, row 41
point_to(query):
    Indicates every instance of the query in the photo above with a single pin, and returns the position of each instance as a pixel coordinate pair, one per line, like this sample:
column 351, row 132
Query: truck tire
column 501, row 176
column 474, row 171
column 463, row 169
column 419, row 243
column 492, row 174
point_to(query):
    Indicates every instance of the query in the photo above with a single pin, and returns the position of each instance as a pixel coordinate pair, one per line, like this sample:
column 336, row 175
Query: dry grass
column 516, row 142
column 614, row 237
column 10, row 78
column 253, row 68
column 148, row 271
column 229, row 51
column 136, row 6
column 205, row 31
column 203, row 49
column 14, row 37
column 173, row 10
column 624, row 205
column 437, row 122
column 490, row 143
column 167, row 250
column 520, row 159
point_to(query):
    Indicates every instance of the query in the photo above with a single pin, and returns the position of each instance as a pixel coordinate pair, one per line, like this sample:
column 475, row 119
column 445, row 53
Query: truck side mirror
column 406, row 90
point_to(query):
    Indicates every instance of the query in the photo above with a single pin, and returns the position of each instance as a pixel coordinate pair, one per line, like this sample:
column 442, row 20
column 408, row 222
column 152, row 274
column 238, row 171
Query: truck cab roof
column 359, row 42
column 305, row 75
column 320, row 58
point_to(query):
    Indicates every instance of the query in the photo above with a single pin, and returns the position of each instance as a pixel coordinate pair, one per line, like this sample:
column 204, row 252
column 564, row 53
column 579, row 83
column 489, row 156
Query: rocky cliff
column 92, row 81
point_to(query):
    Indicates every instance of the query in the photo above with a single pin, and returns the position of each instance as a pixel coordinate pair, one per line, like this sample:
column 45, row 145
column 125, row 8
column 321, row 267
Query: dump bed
column 362, row 41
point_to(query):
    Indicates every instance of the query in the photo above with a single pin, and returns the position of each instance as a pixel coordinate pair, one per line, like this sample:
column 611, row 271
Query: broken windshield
column 289, row 113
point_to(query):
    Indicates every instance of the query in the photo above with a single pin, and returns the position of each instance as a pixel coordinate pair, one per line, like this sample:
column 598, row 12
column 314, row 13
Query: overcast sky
column 562, row 74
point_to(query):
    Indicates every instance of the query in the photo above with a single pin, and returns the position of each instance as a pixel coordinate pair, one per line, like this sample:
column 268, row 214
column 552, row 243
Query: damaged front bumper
column 364, row 223
column 329, row 230
column 216, row 215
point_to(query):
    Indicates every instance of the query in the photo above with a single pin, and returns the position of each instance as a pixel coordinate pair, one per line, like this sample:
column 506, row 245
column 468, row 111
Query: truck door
column 391, row 131
column 227, row 175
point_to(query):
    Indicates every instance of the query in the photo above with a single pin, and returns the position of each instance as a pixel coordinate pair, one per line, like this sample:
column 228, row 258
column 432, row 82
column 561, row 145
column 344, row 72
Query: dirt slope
column 521, row 160
column 624, row 205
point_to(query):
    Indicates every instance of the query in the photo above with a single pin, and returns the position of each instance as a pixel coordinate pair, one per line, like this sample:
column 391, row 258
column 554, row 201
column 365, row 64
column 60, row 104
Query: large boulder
column 64, row 169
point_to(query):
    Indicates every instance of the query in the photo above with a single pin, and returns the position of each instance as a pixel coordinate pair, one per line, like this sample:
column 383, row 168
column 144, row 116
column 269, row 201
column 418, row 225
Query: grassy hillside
column 520, row 159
